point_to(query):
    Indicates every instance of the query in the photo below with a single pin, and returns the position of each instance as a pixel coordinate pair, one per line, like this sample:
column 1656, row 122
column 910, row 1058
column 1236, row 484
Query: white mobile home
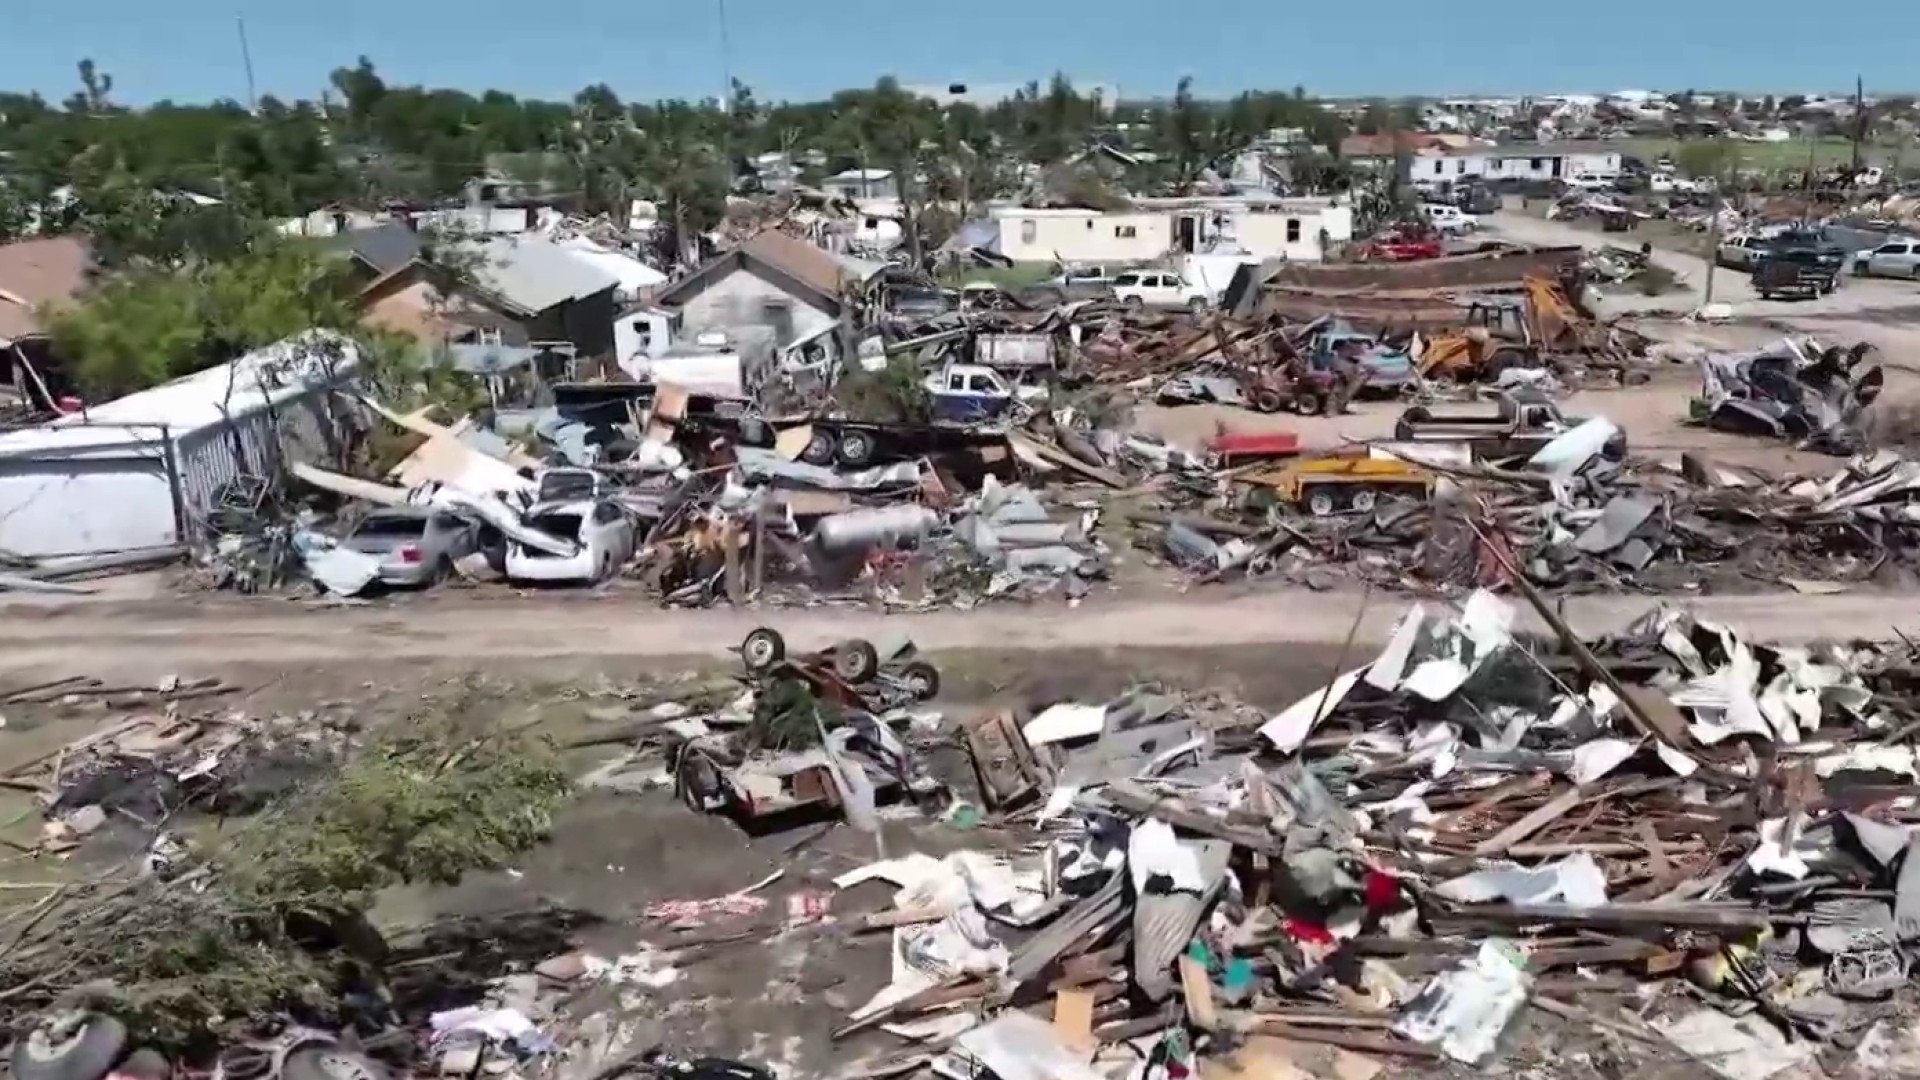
column 140, row 472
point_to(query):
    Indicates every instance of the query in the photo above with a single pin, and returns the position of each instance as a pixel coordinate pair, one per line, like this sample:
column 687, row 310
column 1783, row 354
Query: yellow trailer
column 1324, row 486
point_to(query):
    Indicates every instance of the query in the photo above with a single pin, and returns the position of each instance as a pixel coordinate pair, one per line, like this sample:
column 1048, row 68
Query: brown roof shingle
column 812, row 266
column 37, row 272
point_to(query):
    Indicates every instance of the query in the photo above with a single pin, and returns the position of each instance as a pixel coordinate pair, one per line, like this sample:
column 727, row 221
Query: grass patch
column 1771, row 156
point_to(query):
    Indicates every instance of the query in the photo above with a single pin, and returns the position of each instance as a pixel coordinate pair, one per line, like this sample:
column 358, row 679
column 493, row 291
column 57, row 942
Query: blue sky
column 644, row 49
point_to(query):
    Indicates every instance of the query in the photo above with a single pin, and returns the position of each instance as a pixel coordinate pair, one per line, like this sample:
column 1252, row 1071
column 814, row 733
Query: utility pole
column 1859, row 120
column 726, row 108
column 246, row 60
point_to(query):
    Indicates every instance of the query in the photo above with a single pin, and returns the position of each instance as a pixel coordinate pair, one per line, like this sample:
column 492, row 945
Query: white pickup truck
column 1159, row 289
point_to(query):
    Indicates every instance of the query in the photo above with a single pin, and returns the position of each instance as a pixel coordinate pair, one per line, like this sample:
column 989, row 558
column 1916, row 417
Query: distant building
column 862, row 184
column 1264, row 227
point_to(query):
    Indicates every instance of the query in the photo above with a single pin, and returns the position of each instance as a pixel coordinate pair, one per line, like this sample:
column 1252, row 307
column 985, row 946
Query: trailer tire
column 1309, row 404
column 1320, row 503
column 1267, row 401
column 70, row 1046
column 1363, row 500
column 762, row 649
column 856, row 448
column 330, row 1063
column 699, row 782
column 922, row 680
column 819, row 449
column 856, row 661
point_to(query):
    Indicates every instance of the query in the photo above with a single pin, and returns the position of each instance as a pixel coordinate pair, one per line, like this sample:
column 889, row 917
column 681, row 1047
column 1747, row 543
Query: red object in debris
column 68, row 405
column 409, row 554
column 1382, row 891
column 1237, row 446
column 1400, row 247
column 1307, row 933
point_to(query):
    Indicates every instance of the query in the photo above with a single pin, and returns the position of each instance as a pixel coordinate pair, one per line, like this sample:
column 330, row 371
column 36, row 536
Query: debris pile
column 1794, row 390
column 1467, row 825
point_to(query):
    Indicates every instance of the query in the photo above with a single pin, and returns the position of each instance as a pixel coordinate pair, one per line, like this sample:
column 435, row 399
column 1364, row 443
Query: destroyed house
column 795, row 289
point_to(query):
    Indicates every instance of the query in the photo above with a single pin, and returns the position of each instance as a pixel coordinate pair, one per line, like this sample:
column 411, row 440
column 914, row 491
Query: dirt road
column 1869, row 308
column 94, row 638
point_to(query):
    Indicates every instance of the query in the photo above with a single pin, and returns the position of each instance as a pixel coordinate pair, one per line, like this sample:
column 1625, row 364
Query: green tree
column 147, row 326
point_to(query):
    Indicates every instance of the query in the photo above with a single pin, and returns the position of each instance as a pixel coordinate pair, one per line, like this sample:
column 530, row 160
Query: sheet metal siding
column 111, row 498
column 258, row 444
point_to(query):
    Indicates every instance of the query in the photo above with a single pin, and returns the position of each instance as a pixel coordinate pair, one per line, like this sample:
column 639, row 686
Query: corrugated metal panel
column 1163, row 924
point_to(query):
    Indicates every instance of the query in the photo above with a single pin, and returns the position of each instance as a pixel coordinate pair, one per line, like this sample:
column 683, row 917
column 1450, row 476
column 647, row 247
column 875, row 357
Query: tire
column 1134, row 303
column 330, row 1063
column 922, row 680
column 1197, row 306
column 1363, row 501
column 762, row 649
column 819, row 449
column 856, row 661
column 699, row 782
column 1309, row 404
column 70, row 1046
column 856, row 448
column 1320, row 503
column 1267, row 401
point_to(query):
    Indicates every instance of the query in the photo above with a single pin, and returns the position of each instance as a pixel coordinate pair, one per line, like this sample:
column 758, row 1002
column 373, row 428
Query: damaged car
column 1790, row 391
column 601, row 532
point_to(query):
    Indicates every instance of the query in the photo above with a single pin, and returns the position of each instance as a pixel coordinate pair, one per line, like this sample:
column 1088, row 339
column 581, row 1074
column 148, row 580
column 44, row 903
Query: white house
column 1518, row 161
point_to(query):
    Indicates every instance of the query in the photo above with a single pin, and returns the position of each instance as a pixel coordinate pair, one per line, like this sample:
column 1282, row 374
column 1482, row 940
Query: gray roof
column 385, row 248
column 533, row 273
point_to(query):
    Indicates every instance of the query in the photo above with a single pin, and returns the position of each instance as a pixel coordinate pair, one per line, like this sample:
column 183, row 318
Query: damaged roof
column 806, row 265
column 34, row 273
column 532, row 273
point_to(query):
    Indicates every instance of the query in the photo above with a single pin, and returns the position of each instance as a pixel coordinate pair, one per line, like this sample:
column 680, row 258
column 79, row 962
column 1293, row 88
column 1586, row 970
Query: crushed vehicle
column 816, row 734
column 416, row 545
column 1783, row 393
column 1521, row 424
column 599, row 531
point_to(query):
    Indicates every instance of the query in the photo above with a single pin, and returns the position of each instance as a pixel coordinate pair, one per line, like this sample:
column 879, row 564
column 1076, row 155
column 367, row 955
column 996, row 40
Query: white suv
column 1449, row 219
column 1159, row 289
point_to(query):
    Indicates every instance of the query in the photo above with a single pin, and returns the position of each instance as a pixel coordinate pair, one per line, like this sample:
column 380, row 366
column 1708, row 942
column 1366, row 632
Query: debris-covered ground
column 1456, row 845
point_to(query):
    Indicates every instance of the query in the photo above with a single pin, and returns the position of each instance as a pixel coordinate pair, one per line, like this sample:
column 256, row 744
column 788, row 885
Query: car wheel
column 819, row 449
column 856, row 448
column 762, row 649
column 1197, row 306
column 1135, row 302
